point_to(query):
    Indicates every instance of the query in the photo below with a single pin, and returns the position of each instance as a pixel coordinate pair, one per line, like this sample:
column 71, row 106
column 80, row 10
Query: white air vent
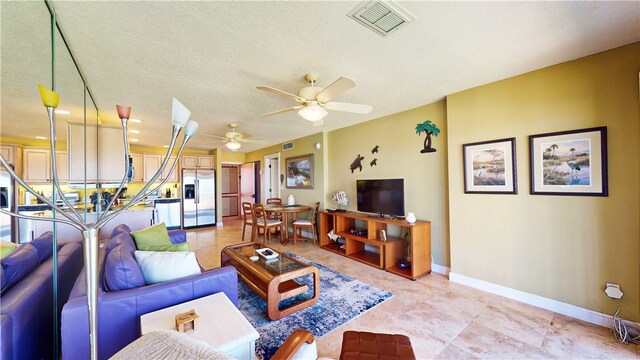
column 287, row 146
column 383, row 17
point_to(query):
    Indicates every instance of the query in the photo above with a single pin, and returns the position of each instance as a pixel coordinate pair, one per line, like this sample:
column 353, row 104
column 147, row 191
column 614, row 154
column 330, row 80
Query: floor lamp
column 179, row 118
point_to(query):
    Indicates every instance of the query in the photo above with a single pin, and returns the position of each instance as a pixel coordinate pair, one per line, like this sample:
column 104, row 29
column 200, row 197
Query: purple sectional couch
column 26, row 303
column 123, row 297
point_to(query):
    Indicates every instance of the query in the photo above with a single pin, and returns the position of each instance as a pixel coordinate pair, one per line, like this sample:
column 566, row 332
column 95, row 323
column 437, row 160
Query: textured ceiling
column 211, row 56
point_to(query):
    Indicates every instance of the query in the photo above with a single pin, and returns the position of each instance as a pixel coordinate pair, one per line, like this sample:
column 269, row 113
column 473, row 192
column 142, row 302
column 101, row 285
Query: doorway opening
column 272, row 176
column 250, row 182
column 230, row 191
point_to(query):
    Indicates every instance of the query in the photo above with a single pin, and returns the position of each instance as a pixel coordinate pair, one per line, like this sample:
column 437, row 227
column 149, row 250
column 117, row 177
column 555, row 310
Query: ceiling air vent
column 287, row 146
column 383, row 17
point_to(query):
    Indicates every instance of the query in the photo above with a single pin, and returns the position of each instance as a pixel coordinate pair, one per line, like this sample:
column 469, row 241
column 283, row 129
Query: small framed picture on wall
column 300, row 172
column 490, row 167
column 569, row 162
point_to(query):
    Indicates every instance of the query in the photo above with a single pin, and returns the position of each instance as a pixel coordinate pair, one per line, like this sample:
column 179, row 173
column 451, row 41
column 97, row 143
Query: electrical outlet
column 613, row 290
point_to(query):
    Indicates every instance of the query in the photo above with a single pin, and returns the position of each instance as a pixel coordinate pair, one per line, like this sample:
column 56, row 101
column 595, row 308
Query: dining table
column 285, row 211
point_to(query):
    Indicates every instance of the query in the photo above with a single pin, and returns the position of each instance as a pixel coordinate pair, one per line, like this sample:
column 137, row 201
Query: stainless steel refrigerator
column 198, row 198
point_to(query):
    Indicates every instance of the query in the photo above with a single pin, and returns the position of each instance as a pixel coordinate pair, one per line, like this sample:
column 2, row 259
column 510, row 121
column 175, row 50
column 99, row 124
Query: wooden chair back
column 247, row 211
column 314, row 217
column 259, row 213
column 274, row 201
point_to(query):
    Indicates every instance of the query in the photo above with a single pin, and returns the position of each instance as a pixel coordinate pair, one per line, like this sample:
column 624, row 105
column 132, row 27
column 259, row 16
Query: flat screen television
column 381, row 196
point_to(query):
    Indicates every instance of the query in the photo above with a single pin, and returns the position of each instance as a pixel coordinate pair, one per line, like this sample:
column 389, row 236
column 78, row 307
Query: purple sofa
column 26, row 303
column 123, row 297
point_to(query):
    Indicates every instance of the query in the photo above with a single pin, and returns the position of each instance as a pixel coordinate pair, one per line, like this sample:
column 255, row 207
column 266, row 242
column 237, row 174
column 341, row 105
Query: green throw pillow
column 7, row 247
column 170, row 248
column 152, row 236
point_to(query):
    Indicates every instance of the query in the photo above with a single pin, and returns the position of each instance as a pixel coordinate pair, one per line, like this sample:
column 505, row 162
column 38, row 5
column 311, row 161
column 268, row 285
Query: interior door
column 274, row 167
column 230, row 190
column 247, row 183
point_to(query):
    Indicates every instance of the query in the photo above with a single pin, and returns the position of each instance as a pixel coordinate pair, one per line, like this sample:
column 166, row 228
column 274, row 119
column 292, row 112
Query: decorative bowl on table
column 267, row 254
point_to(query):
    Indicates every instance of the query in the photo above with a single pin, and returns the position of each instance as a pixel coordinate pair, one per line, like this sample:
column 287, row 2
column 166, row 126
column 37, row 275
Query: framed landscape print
column 569, row 162
column 300, row 172
column 490, row 167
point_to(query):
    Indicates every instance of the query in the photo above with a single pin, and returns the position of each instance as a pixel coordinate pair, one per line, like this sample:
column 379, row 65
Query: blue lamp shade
column 191, row 128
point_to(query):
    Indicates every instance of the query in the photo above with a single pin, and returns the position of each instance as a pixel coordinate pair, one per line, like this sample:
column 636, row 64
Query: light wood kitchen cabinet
column 138, row 167
column 152, row 163
column 62, row 166
column 174, row 176
column 37, row 165
column 10, row 153
column 104, row 155
column 197, row 162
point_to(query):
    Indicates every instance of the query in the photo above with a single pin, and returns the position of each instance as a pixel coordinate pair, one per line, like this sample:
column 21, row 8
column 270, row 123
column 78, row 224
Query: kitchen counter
column 167, row 200
column 136, row 217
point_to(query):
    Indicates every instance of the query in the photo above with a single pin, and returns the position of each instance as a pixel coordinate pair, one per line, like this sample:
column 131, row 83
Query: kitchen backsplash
column 132, row 189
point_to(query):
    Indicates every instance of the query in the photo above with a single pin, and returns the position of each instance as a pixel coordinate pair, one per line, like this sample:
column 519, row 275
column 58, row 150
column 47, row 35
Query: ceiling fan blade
column 318, row 123
column 338, row 87
column 244, row 136
column 348, row 107
column 245, row 141
column 281, row 93
column 283, row 110
column 215, row 136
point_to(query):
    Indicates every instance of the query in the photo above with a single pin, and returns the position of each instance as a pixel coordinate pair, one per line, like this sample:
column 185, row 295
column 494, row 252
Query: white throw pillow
column 161, row 266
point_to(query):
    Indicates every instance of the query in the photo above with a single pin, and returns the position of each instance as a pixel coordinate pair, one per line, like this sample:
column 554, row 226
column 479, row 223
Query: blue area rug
column 342, row 298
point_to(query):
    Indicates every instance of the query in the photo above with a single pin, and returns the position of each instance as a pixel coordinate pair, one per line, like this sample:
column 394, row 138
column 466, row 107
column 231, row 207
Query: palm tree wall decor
column 430, row 129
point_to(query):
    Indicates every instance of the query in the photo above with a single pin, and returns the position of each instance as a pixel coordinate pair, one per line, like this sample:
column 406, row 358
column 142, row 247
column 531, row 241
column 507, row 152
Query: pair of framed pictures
column 561, row 163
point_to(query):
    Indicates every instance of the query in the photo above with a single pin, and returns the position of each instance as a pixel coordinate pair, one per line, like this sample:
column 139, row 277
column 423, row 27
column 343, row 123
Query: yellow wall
column 399, row 156
column 302, row 146
column 559, row 247
column 232, row 157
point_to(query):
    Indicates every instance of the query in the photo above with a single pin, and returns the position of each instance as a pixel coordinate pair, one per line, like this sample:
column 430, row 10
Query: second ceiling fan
column 315, row 101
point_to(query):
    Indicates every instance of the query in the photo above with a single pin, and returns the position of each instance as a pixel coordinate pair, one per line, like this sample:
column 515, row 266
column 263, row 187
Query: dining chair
column 261, row 221
column 247, row 210
column 298, row 225
column 277, row 202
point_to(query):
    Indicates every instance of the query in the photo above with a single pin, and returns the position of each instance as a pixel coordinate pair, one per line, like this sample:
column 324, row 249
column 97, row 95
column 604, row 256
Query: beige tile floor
column 444, row 320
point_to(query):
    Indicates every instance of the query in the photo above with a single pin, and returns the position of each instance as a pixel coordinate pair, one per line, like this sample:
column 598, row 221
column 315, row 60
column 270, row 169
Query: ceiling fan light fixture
column 313, row 112
column 233, row 145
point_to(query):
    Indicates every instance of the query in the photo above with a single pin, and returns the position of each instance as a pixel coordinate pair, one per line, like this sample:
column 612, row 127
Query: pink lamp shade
column 123, row 111
column 49, row 97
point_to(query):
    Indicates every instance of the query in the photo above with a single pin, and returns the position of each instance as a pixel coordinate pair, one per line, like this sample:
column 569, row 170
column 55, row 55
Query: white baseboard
column 587, row 315
column 440, row 269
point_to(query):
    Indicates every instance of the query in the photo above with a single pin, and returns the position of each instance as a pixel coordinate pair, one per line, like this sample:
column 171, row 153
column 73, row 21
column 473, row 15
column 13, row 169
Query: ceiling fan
column 315, row 101
column 233, row 140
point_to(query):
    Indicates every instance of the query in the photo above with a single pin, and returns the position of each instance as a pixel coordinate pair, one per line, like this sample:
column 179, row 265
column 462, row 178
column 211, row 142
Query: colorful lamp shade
column 313, row 112
column 179, row 113
column 123, row 111
column 49, row 97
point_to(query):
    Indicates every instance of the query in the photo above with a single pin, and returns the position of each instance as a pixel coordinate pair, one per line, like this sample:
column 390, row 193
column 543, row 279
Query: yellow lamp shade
column 49, row 97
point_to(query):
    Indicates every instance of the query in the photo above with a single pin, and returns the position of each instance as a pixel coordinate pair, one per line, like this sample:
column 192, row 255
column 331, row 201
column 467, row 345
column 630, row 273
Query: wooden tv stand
column 371, row 250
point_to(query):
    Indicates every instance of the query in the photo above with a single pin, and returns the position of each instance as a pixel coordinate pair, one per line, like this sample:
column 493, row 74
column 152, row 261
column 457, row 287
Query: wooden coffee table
column 273, row 281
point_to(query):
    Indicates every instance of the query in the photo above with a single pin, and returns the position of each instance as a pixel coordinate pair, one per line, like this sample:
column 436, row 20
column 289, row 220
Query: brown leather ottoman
column 366, row 345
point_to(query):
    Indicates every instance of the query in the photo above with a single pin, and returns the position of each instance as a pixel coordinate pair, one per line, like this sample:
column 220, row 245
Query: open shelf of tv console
column 372, row 250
